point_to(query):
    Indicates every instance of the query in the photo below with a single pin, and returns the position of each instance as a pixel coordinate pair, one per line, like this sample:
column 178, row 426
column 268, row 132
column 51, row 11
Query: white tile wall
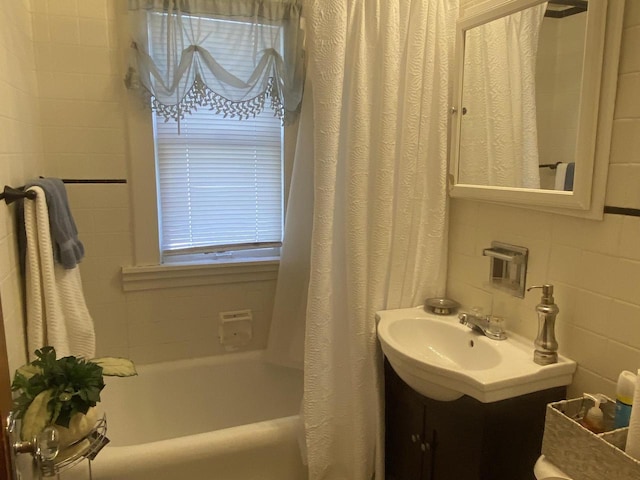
column 595, row 266
column 80, row 89
column 20, row 156
column 62, row 114
column 155, row 325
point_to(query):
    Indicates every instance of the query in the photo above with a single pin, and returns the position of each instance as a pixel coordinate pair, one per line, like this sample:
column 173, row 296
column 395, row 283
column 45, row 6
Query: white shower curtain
column 499, row 140
column 380, row 72
column 286, row 335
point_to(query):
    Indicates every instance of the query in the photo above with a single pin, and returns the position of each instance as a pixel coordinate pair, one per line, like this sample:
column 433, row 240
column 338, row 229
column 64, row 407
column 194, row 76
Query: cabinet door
column 457, row 435
column 404, row 417
column 428, row 447
column 463, row 439
column 513, row 434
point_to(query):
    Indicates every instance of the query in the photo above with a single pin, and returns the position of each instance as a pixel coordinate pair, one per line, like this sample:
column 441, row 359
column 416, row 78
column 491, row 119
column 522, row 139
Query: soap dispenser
column 546, row 351
column 594, row 418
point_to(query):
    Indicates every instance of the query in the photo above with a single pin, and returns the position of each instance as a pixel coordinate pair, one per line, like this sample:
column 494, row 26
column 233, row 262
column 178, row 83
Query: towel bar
column 10, row 194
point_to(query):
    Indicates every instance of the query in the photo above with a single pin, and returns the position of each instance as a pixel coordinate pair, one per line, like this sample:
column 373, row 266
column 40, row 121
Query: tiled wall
column 91, row 142
column 595, row 266
column 79, row 84
column 64, row 105
column 20, row 155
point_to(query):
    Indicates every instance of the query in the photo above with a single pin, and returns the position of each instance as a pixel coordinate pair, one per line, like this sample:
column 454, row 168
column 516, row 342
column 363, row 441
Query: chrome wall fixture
column 508, row 270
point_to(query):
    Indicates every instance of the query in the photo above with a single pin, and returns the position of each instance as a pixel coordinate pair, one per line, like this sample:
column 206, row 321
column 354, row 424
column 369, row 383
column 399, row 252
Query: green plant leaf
column 116, row 367
column 57, row 407
column 37, row 415
column 19, row 382
column 90, row 394
column 46, row 358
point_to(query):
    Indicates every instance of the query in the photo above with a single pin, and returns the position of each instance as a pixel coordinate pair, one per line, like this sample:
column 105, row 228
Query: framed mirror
column 532, row 105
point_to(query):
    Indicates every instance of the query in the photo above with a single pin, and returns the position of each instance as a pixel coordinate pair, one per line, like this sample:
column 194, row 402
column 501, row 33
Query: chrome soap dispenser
column 546, row 351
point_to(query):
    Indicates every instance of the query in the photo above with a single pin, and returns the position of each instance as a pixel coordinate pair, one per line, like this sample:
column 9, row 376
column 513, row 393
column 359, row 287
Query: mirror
column 527, row 98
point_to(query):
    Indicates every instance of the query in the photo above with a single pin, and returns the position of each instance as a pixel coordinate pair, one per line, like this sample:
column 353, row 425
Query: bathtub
column 229, row 417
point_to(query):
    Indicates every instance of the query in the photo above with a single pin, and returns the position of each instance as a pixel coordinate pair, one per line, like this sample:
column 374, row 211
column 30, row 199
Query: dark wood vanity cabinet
column 463, row 439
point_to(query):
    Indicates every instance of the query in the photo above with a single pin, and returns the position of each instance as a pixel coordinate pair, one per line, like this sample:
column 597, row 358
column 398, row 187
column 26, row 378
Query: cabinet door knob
column 425, row 447
column 415, row 438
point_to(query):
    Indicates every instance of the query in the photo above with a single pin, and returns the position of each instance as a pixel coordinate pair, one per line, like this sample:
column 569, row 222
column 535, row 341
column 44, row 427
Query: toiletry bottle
column 594, row 418
column 624, row 398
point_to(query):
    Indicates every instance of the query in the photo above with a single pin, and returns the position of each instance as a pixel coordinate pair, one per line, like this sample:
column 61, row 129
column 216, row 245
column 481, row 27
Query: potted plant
column 62, row 392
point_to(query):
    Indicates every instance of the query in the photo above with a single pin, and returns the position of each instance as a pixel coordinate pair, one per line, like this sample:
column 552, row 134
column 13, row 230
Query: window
column 219, row 183
column 220, row 179
column 208, row 192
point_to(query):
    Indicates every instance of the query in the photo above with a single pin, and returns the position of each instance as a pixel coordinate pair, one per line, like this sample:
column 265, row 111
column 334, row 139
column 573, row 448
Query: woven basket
column 581, row 453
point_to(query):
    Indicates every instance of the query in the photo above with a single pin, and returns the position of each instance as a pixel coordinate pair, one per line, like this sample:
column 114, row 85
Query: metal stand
column 48, row 458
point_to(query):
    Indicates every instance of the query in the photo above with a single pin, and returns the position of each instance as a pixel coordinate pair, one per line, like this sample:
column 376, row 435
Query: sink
column 444, row 360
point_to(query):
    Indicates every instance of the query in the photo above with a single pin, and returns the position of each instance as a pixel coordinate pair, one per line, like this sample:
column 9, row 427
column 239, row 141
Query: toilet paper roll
column 633, row 436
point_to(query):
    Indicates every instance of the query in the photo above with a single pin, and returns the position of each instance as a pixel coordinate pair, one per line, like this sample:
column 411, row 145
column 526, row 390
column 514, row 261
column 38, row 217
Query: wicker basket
column 581, row 453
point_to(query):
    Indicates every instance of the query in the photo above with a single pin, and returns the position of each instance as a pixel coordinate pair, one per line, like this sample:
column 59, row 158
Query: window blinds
column 220, row 179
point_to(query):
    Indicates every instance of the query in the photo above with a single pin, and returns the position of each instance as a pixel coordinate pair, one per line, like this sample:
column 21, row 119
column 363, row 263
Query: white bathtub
column 231, row 417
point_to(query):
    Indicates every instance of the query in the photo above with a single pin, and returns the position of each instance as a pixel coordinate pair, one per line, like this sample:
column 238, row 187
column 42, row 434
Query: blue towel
column 568, row 178
column 67, row 247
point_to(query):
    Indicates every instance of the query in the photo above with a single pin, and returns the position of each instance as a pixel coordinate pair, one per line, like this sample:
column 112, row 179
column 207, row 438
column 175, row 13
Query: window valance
column 181, row 60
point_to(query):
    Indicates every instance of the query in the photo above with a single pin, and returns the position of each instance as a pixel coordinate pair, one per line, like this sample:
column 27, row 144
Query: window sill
column 194, row 274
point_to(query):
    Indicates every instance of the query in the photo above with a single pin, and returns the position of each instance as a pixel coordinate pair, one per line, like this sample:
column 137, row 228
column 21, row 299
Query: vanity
column 463, row 439
column 460, row 405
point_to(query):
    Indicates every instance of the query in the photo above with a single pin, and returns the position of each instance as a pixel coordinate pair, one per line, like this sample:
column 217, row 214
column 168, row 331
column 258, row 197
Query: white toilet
column 545, row 470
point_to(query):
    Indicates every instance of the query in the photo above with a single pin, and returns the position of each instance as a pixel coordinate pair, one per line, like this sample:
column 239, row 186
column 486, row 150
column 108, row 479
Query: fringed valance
column 226, row 55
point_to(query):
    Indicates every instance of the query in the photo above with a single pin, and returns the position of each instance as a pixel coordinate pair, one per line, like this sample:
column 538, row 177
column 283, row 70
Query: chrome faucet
column 485, row 324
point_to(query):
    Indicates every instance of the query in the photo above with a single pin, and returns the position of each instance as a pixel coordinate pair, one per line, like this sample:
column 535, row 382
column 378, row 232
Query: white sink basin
column 444, row 360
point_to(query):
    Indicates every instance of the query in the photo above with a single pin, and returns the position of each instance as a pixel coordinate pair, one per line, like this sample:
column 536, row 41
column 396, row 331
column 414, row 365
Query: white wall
column 62, row 93
column 20, row 155
column 91, row 142
column 595, row 266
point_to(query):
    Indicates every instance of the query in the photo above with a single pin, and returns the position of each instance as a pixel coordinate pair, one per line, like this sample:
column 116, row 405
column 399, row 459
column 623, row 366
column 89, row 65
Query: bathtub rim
column 210, row 360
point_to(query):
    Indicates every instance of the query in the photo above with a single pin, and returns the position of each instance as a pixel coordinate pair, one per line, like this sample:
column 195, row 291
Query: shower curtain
column 285, row 345
column 380, row 72
column 499, row 140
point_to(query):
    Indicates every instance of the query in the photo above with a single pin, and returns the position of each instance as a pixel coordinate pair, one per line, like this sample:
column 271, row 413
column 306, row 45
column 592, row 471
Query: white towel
column 57, row 314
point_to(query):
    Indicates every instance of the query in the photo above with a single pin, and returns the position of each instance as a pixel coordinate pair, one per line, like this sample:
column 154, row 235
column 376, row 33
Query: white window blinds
column 220, row 180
